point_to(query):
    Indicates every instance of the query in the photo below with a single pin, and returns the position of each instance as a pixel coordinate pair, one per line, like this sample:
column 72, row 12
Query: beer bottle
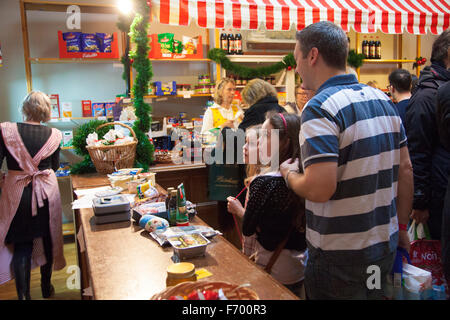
column 365, row 49
column 238, row 43
column 169, row 190
column 372, row 49
column 173, row 208
column 224, row 42
column 230, row 43
column 378, row 49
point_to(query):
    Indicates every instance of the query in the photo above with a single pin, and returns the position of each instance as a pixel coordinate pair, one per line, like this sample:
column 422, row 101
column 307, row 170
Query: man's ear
column 313, row 56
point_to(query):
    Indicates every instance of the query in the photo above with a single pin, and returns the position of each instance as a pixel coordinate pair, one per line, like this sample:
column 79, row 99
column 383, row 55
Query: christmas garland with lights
column 220, row 56
column 354, row 60
column 144, row 73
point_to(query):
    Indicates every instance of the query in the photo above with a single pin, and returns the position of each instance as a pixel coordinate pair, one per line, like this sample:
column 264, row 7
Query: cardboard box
column 165, row 88
column 54, row 100
column 86, row 108
column 67, row 138
column 109, row 108
column 67, row 109
column 98, row 109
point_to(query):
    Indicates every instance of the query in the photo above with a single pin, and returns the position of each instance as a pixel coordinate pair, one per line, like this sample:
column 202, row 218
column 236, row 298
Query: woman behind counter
column 30, row 219
column 222, row 114
column 261, row 96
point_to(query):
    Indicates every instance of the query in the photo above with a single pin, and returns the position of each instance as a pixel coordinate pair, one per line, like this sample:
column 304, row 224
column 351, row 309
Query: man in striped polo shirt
column 357, row 178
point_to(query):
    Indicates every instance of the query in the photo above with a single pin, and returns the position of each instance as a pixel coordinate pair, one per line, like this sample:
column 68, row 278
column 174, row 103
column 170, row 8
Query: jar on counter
column 212, row 88
column 180, row 272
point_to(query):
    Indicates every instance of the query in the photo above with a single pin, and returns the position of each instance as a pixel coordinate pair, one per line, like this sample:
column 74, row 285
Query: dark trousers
column 329, row 280
column 22, row 266
column 445, row 239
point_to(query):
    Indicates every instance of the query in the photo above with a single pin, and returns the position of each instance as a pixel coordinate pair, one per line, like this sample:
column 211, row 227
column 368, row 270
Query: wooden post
column 217, row 42
column 400, row 49
column 418, row 47
column 358, row 50
column 26, row 46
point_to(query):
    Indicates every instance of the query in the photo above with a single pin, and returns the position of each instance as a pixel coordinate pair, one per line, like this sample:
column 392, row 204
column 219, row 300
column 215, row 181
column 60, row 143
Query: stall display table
column 121, row 260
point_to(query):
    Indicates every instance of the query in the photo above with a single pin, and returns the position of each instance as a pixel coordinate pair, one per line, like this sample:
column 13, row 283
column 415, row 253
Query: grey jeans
column 326, row 280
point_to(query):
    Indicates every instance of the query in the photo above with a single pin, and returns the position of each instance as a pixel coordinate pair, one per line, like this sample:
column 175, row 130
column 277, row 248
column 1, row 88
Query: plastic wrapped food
column 89, row 43
column 104, row 41
column 152, row 223
column 162, row 236
column 166, row 42
column 73, row 41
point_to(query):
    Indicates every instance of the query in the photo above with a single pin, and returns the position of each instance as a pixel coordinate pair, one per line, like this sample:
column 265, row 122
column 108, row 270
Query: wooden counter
column 122, row 261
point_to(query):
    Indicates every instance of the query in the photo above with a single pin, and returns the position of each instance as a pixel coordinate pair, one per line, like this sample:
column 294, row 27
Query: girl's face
column 251, row 147
column 264, row 143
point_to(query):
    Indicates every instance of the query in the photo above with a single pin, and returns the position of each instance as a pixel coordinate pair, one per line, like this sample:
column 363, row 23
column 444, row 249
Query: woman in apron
column 30, row 218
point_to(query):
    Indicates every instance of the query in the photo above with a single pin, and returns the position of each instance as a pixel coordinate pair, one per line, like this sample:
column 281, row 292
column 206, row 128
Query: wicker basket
column 108, row 159
column 185, row 288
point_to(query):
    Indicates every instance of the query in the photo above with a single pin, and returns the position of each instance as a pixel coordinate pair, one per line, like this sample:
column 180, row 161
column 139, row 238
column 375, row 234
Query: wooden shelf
column 276, row 86
column 71, row 60
column 78, row 118
column 388, row 61
column 255, row 58
column 180, row 96
column 68, row 229
column 180, row 60
column 67, row 148
column 34, row 5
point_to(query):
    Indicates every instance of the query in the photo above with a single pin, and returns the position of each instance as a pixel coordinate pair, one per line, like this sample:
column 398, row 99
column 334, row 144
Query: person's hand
column 234, row 206
column 420, row 216
column 288, row 165
column 403, row 240
column 228, row 123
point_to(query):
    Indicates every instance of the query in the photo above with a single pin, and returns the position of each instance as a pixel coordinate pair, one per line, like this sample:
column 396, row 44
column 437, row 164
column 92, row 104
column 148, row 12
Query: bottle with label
column 169, row 191
column 372, row 49
column 378, row 49
column 172, row 208
column 230, row 39
column 238, row 44
column 224, row 42
column 365, row 49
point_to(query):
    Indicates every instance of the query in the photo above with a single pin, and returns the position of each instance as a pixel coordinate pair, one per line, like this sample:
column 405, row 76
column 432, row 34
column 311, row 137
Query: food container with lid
column 189, row 245
column 180, row 272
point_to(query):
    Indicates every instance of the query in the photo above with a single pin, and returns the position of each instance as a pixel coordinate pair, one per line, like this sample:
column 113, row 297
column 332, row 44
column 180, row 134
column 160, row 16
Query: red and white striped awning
column 366, row 16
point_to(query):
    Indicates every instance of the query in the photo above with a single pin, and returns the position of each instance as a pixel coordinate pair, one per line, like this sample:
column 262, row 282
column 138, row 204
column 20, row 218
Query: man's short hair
column 329, row 39
column 400, row 79
column 439, row 52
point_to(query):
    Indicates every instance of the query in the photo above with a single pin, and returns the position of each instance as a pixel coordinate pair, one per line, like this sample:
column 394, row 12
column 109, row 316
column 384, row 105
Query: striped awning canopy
column 366, row 16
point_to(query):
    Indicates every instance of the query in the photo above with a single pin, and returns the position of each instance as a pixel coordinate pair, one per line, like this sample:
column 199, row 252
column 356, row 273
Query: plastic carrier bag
column 426, row 254
column 408, row 282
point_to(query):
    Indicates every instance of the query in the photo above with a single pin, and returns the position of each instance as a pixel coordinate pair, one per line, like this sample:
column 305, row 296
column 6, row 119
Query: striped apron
column 45, row 186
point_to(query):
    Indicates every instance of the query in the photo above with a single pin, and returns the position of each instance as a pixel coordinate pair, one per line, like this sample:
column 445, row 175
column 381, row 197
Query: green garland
column 354, row 60
column 220, row 56
column 79, row 145
column 144, row 73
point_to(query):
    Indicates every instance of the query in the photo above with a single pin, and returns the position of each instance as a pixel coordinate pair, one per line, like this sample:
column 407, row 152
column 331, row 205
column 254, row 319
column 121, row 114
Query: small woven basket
column 108, row 159
column 231, row 291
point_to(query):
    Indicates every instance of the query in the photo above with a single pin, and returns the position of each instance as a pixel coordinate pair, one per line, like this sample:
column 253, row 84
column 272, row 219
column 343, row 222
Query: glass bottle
column 238, row 44
column 172, row 207
column 230, row 43
column 224, row 42
column 378, row 49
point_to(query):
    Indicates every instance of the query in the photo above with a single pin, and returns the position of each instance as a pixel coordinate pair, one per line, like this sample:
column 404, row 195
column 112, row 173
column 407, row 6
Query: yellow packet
column 202, row 273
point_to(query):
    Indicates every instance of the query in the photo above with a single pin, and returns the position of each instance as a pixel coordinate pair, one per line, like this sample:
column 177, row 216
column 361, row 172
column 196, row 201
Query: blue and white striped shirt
column 358, row 127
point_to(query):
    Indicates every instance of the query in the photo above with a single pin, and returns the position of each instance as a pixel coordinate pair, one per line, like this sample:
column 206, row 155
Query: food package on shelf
column 190, row 45
column 166, row 88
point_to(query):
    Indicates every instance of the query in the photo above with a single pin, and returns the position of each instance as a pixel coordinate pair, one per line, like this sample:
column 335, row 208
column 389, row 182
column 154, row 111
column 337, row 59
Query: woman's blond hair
column 257, row 89
column 220, row 85
column 36, row 107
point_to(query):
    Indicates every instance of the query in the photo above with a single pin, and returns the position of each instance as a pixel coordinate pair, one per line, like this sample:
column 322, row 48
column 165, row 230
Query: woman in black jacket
column 261, row 96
